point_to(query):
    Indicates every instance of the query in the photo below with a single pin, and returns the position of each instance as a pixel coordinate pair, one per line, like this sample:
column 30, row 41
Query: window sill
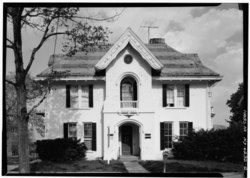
column 79, row 108
column 175, row 107
column 90, row 151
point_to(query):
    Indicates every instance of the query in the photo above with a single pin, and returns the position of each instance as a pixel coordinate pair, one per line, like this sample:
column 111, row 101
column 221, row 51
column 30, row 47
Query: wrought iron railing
column 129, row 104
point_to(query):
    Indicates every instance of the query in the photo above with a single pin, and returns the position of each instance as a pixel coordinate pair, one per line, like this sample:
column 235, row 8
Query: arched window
column 128, row 93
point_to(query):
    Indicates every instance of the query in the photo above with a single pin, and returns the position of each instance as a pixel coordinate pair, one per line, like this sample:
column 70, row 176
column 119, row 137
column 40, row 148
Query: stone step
column 128, row 158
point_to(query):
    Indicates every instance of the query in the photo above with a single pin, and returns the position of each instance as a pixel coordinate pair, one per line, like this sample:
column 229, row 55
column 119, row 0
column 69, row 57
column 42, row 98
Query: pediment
column 129, row 37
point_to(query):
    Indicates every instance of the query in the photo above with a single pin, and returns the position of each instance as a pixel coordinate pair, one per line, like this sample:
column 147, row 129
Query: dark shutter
column 65, row 130
column 135, row 91
column 164, row 98
column 94, row 136
column 162, row 135
column 187, row 95
column 91, row 96
column 190, row 127
column 67, row 96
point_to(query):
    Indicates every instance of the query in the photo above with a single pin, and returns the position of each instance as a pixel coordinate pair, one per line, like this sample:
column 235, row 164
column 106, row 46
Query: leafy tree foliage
column 237, row 105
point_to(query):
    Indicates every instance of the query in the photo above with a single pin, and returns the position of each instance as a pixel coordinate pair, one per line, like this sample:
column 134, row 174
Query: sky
column 215, row 33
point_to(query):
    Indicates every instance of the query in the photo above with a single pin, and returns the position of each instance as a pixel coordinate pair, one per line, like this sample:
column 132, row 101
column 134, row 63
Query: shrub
column 60, row 149
column 218, row 145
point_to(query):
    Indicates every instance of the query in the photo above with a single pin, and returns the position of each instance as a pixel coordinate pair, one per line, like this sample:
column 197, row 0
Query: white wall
column 106, row 111
column 57, row 113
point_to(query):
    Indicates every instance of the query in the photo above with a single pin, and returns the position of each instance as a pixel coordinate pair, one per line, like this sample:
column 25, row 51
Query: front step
column 129, row 158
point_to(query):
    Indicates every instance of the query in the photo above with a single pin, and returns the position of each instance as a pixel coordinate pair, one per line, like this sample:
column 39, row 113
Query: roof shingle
column 175, row 63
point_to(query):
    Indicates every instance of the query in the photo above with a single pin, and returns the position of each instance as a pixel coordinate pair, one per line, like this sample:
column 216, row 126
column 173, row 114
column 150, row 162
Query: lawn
column 80, row 166
column 14, row 160
column 191, row 166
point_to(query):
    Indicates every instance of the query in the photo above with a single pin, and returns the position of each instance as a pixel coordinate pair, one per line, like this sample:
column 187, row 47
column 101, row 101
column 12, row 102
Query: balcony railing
column 129, row 104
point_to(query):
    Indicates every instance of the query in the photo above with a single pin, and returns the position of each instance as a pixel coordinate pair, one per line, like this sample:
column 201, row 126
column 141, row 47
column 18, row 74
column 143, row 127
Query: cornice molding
column 129, row 37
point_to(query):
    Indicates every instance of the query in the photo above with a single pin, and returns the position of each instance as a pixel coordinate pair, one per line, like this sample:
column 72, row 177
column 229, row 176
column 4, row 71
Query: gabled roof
column 173, row 63
column 129, row 37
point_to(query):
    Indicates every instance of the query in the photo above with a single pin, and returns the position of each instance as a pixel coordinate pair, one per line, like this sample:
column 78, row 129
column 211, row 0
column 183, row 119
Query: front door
column 126, row 140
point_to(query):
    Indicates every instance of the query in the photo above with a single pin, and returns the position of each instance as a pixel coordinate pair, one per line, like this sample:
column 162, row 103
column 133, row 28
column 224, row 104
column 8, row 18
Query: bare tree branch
column 100, row 19
column 38, row 103
column 10, row 46
column 10, row 82
column 11, row 42
column 34, row 51
column 53, row 34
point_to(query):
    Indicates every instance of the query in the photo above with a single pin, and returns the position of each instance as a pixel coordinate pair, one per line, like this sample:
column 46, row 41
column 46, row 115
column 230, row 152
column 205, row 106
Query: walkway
column 134, row 167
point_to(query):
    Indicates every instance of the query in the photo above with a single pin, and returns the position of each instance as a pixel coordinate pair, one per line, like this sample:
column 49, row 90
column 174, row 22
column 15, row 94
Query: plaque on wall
column 147, row 136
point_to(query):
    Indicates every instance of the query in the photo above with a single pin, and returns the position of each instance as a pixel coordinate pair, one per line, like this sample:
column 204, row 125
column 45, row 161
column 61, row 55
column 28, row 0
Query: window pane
column 88, row 144
column 72, row 130
column 88, row 135
column 170, row 95
column 127, row 92
column 87, row 130
column 74, row 96
column 84, row 96
column 183, row 129
column 168, row 135
column 181, row 95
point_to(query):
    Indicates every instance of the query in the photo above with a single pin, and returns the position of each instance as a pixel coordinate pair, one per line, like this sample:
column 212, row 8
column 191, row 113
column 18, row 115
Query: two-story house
column 128, row 98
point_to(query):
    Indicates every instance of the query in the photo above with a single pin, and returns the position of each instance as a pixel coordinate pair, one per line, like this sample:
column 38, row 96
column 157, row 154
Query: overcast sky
column 215, row 33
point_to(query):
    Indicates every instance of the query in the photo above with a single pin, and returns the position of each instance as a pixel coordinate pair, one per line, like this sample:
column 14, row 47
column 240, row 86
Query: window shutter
column 190, row 127
column 135, row 91
column 187, row 95
column 164, row 98
column 91, row 96
column 94, row 136
column 65, row 130
column 162, row 135
column 67, row 96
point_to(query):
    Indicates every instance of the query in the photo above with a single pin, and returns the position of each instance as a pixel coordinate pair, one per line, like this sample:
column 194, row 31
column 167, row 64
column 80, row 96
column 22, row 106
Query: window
column 166, row 135
column 185, row 128
column 84, row 97
column 175, row 95
column 181, row 96
column 127, row 92
column 79, row 97
column 128, row 59
column 74, row 99
column 70, row 130
column 170, row 95
column 90, row 135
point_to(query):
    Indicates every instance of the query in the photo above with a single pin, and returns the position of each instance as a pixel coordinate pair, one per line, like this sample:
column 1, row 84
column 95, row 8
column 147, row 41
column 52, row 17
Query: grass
column 80, row 166
column 191, row 166
column 13, row 160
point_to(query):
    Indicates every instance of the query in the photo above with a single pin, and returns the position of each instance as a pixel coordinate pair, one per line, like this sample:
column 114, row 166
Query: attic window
column 128, row 59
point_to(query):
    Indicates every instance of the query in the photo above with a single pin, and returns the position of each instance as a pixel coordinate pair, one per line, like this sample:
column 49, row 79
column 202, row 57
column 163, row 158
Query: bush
column 217, row 145
column 60, row 149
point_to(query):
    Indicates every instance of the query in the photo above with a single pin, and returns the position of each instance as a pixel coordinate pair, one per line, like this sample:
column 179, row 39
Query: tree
column 49, row 22
column 237, row 106
column 34, row 91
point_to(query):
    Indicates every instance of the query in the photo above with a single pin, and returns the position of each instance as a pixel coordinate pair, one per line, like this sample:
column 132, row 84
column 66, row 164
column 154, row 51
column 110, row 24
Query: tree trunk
column 23, row 146
column 22, row 116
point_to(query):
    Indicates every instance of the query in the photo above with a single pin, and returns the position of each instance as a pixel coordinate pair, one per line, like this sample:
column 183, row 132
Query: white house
column 129, row 98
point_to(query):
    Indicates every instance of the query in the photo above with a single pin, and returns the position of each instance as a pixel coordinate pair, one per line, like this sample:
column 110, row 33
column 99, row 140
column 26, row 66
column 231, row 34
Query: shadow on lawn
column 181, row 166
column 94, row 166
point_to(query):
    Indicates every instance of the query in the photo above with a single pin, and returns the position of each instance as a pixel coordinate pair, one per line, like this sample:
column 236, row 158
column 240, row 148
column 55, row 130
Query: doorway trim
column 140, row 132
